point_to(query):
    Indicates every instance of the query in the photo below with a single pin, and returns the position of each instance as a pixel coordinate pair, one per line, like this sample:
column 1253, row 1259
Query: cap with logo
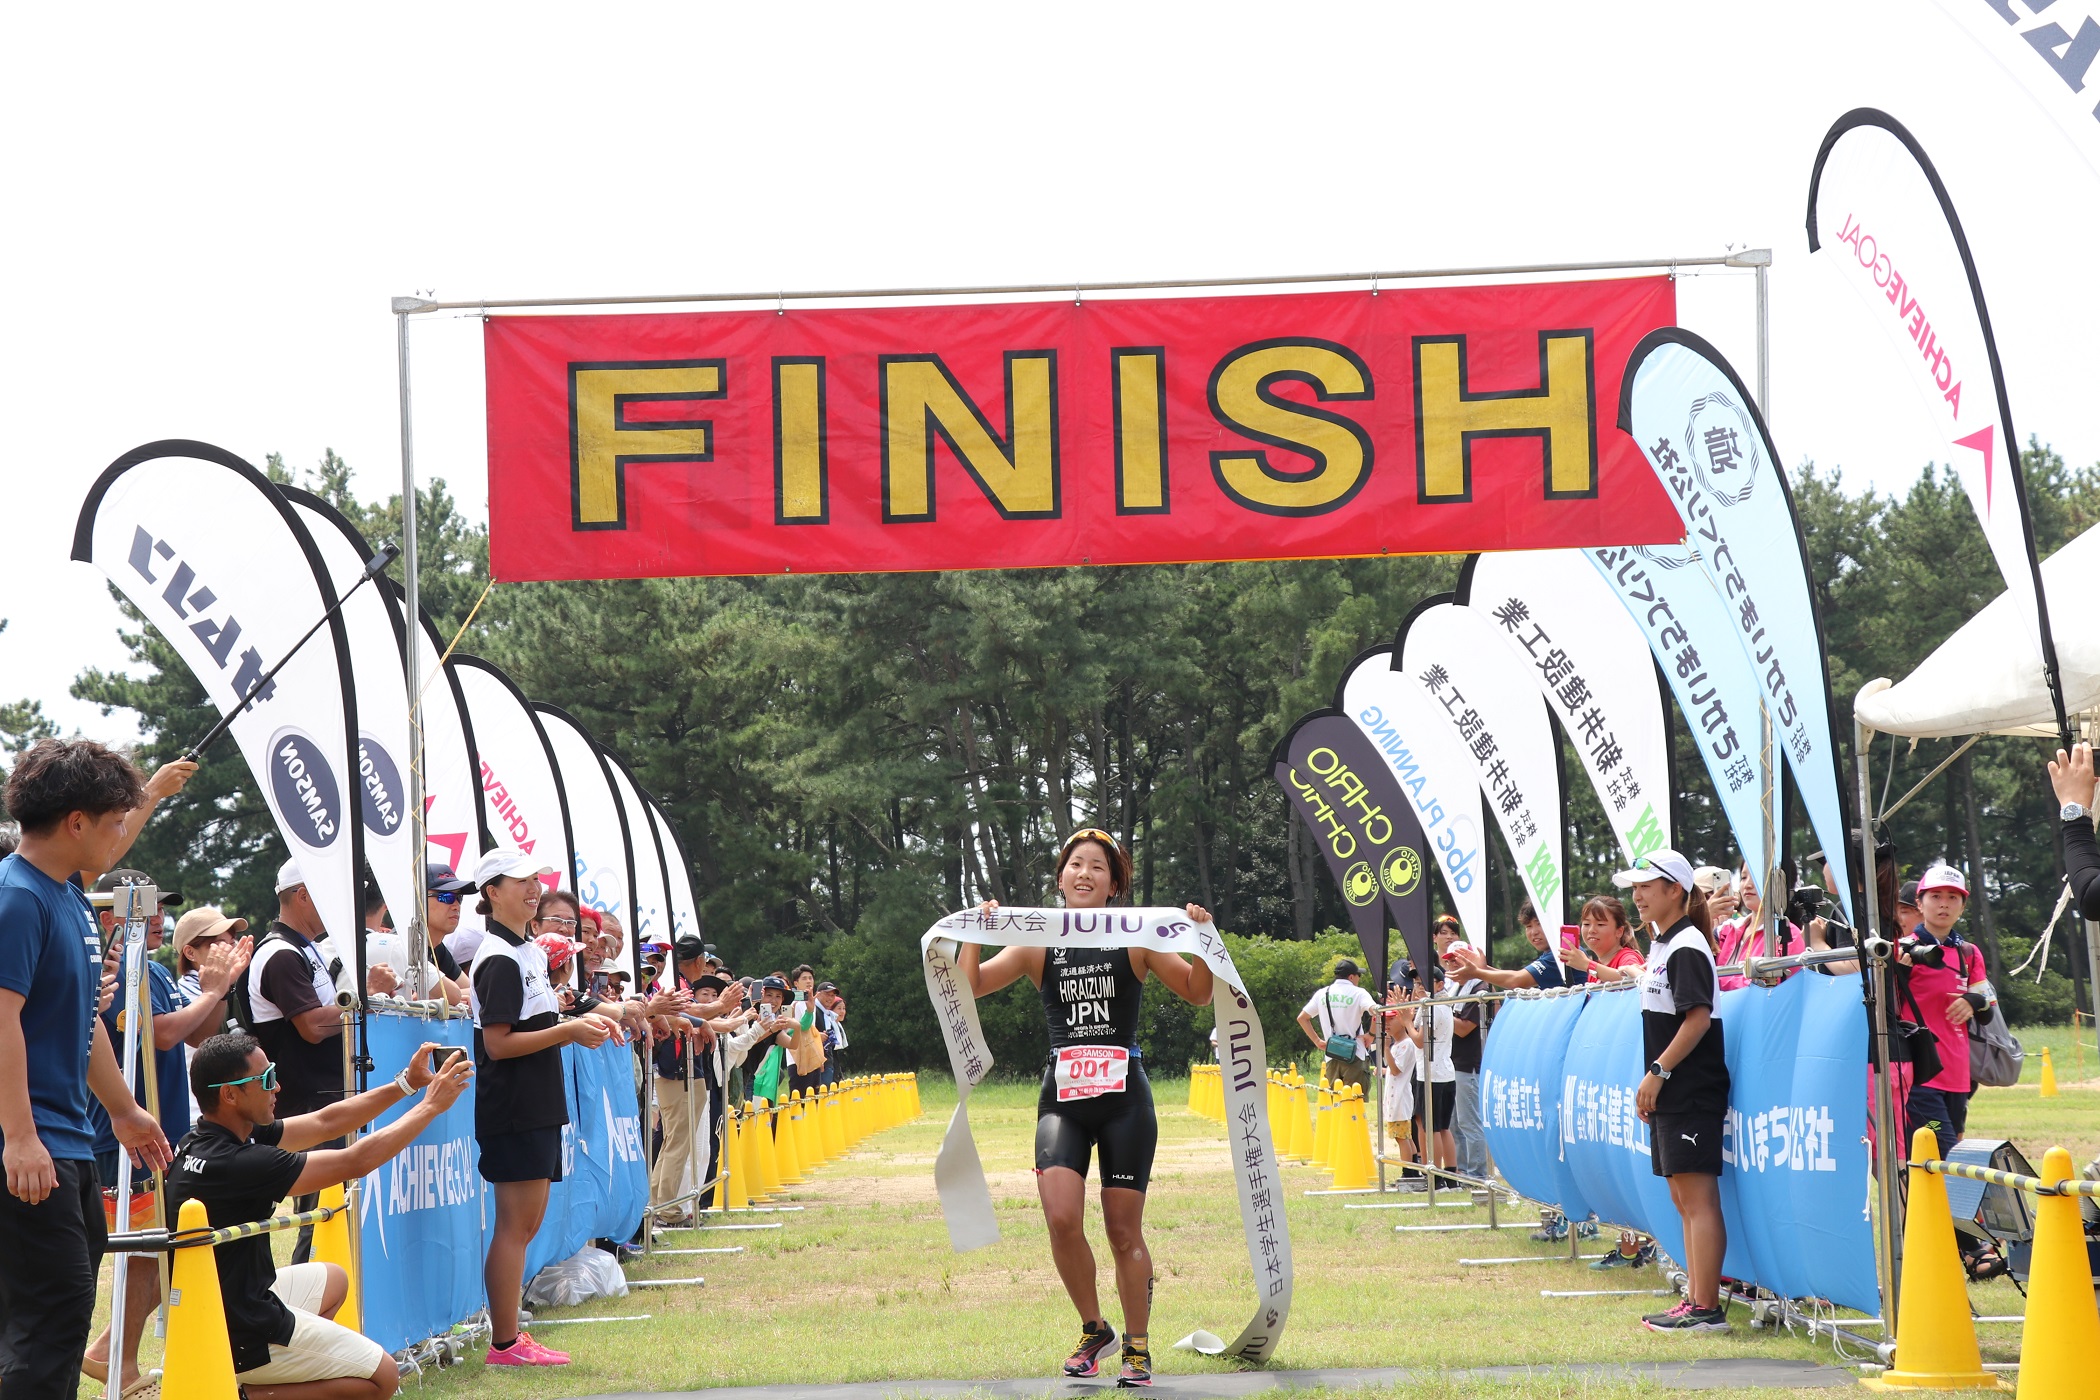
column 1942, row 876
column 1657, row 865
column 558, row 949
column 508, row 862
column 133, row 877
column 205, row 921
column 440, row 878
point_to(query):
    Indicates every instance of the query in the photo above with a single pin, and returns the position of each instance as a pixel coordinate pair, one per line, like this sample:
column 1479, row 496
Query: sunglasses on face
column 1091, row 833
column 268, row 1078
column 445, row 896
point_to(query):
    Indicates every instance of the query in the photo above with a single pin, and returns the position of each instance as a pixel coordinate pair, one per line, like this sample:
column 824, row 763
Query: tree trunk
column 1301, row 881
column 1986, row 925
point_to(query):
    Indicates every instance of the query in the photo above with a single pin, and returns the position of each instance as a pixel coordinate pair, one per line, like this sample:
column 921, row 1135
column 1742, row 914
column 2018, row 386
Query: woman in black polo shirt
column 521, row 1101
column 1684, row 1095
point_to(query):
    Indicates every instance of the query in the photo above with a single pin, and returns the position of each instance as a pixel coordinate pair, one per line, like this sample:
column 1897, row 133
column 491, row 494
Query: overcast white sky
column 209, row 209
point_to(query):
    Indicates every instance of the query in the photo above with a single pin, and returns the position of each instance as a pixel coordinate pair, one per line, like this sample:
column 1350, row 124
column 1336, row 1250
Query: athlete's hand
column 1198, row 914
column 1644, row 1098
column 2071, row 774
column 588, row 1031
column 988, row 908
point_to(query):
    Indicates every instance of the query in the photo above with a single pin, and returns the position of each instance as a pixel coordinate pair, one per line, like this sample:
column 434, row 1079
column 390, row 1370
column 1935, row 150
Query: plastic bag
column 588, row 1273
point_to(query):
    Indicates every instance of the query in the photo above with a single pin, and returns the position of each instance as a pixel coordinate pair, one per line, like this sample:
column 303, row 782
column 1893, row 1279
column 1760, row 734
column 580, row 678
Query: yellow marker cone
column 2062, row 1336
column 1323, row 1127
column 332, row 1246
column 1352, row 1149
column 2048, row 1074
column 198, row 1364
column 1301, row 1120
column 912, row 1098
column 759, row 1148
column 786, row 1158
column 738, row 1190
column 1935, row 1336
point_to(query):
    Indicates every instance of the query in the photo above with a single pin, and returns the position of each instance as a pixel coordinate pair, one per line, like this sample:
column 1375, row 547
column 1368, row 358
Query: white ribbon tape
column 958, row 1175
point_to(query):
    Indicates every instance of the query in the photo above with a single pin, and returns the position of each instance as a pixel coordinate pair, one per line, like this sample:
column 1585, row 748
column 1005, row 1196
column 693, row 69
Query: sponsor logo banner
column 1299, row 425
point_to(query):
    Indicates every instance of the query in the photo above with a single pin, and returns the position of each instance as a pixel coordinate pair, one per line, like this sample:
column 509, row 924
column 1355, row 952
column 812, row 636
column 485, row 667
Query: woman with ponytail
column 1684, row 1095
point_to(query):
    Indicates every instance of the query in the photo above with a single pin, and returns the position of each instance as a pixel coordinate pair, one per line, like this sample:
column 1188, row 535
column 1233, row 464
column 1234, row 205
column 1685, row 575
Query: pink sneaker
column 525, row 1352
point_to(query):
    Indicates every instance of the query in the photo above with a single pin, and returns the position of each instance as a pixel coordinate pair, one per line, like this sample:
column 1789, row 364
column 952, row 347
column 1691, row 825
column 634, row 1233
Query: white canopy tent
column 1987, row 677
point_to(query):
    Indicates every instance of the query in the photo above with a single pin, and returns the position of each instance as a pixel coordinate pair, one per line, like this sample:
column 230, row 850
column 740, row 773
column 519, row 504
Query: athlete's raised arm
column 1188, row 979
column 1005, row 966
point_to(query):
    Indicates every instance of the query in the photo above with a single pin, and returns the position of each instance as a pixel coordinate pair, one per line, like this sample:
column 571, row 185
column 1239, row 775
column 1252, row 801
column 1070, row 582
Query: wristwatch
column 401, row 1083
column 2074, row 812
column 1655, row 1067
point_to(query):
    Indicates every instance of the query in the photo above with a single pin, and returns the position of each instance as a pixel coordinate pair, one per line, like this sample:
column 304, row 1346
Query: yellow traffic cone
column 198, row 1363
column 759, row 1147
column 835, row 1122
column 912, row 1098
column 1352, row 1148
column 1323, row 1127
column 2048, row 1074
column 332, row 1246
column 1935, row 1336
column 1301, row 1149
column 788, row 1160
column 2062, row 1335
column 736, row 1161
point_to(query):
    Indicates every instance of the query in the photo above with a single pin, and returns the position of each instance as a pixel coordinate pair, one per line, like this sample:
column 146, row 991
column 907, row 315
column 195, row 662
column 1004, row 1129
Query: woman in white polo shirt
column 521, row 1101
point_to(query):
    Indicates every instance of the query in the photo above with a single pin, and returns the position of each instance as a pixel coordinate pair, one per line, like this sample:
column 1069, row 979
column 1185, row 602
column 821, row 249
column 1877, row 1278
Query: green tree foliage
column 849, row 756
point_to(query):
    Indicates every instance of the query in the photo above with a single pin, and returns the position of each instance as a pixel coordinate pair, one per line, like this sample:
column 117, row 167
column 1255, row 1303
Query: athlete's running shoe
column 1095, row 1338
column 1689, row 1319
column 1137, row 1362
column 525, row 1352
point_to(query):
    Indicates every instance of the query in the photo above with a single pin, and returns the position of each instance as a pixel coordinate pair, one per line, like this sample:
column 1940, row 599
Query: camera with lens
column 1924, row 954
column 1805, row 903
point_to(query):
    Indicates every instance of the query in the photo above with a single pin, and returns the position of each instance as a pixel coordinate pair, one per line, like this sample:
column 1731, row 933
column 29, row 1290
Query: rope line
column 157, row 1241
column 2018, row 1183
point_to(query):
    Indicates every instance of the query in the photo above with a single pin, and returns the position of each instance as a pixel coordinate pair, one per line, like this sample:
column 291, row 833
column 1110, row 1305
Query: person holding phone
column 1091, row 998
column 522, row 1103
column 1683, row 1097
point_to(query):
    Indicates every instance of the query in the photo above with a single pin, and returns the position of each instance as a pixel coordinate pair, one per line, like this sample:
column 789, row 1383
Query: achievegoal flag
column 2049, row 48
column 1879, row 212
column 1670, row 595
column 1584, row 655
column 958, row 1174
column 214, row 557
column 523, row 803
column 1697, row 425
column 1365, row 829
column 383, row 748
column 1434, row 772
column 1455, row 658
column 602, row 863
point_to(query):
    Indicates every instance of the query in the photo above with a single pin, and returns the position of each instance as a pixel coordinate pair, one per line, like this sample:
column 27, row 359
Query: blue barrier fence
column 1558, row 1079
column 427, row 1212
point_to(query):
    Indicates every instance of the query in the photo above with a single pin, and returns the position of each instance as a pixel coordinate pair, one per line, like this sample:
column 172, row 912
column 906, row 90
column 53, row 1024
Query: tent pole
column 1887, row 1141
column 412, row 661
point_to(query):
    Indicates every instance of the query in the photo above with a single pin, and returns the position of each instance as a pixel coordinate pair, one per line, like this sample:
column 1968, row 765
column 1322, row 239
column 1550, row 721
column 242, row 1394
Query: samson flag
column 523, row 801
column 2049, row 48
column 602, row 860
column 384, row 751
column 1365, row 828
column 685, row 907
column 1586, row 658
column 1692, row 635
column 1878, row 207
column 1707, row 441
column 1066, row 431
column 958, row 1174
column 452, row 829
column 215, row 559
column 1435, row 773
column 1487, row 699
column 652, row 877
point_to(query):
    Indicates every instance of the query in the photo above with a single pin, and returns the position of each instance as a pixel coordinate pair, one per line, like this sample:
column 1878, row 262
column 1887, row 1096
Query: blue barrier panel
column 605, row 1177
column 420, row 1222
column 1795, row 1167
column 1520, row 1098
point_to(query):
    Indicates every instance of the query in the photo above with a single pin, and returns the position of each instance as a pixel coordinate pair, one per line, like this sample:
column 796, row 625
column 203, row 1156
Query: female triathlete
column 1095, row 1095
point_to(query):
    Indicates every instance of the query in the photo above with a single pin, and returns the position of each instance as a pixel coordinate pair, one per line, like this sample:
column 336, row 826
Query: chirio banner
column 1067, row 431
column 1696, row 423
column 1880, row 216
column 214, row 557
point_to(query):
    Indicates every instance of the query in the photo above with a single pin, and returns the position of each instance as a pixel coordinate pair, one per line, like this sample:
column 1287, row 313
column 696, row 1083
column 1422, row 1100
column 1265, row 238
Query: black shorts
column 1444, row 1099
column 1122, row 1125
column 1680, row 1143
column 533, row 1155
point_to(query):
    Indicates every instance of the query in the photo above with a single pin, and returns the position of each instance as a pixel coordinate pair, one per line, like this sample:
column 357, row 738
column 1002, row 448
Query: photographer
column 1940, row 976
column 1340, row 1035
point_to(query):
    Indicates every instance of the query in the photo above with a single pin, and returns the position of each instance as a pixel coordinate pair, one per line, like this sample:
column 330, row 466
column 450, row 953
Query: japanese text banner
column 1302, row 425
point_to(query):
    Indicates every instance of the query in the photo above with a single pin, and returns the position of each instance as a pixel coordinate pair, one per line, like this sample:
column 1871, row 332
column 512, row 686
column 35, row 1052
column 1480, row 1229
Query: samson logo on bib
column 305, row 788
column 1089, row 1071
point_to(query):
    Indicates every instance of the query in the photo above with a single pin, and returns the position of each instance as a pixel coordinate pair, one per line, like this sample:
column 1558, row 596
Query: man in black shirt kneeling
column 241, row 1161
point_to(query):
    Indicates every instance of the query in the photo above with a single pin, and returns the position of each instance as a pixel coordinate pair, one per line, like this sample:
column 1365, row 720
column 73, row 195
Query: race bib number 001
column 1088, row 1071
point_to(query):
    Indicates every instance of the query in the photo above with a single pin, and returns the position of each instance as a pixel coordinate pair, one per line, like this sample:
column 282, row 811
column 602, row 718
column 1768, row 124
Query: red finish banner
column 1299, row 426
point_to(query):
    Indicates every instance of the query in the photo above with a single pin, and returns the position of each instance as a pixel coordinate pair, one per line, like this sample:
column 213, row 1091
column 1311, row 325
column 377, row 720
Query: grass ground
column 862, row 1285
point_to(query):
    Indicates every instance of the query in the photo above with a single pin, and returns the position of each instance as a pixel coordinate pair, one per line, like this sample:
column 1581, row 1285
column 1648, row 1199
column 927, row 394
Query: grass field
column 863, row 1286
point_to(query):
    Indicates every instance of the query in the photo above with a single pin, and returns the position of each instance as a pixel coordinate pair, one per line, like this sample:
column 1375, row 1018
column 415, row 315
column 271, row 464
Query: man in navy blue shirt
column 74, row 802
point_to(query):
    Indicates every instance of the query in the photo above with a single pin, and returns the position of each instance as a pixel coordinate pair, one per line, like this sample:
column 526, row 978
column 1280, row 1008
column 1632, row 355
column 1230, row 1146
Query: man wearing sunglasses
column 241, row 1160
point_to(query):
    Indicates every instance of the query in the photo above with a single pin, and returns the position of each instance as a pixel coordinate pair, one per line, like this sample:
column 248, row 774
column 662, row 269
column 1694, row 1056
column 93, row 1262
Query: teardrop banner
column 602, row 856
column 958, row 1173
column 523, row 801
column 652, row 874
column 1436, row 775
column 216, row 559
column 1365, row 828
column 1299, row 425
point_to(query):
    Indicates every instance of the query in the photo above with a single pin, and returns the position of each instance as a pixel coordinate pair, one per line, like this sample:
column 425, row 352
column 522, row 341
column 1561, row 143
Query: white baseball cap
column 1942, row 876
column 288, row 876
column 510, row 862
column 1656, row 865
